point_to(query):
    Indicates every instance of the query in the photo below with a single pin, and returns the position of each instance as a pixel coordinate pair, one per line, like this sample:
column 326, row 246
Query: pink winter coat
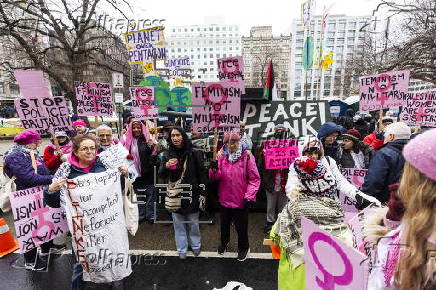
column 237, row 180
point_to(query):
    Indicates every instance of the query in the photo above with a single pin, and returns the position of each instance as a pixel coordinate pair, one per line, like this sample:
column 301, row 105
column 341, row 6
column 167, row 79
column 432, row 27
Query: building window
column 179, row 50
column 205, row 56
column 210, row 49
column 217, row 55
column 198, row 56
column 217, row 29
column 332, row 26
column 211, row 62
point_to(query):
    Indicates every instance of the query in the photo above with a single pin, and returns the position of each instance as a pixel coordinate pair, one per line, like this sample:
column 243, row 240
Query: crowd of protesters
column 178, row 157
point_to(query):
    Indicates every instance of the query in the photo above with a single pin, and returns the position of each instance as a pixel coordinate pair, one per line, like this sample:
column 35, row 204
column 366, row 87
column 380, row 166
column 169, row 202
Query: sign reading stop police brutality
column 300, row 118
column 43, row 114
column 95, row 215
column 142, row 101
column 356, row 177
column 94, row 99
column 330, row 264
column 216, row 106
column 280, row 153
column 420, row 109
column 35, row 223
column 383, row 91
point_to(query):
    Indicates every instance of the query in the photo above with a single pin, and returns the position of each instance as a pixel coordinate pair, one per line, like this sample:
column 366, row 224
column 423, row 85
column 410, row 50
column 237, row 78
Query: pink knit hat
column 79, row 123
column 420, row 153
column 231, row 136
column 26, row 137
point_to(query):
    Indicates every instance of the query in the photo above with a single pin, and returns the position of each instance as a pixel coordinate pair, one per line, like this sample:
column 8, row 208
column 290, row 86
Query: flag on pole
column 269, row 84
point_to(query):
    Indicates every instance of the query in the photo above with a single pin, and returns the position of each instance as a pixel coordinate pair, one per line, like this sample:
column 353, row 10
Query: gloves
column 248, row 203
column 202, row 202
column 213, row 165
column 364, row 200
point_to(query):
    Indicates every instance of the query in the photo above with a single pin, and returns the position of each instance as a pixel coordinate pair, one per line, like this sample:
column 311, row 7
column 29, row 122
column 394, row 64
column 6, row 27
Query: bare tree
column 62, row 38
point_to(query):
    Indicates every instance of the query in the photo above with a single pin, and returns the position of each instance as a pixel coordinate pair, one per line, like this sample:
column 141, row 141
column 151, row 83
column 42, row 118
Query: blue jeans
column 146, row 211
column 77, row 282
column 187, row 233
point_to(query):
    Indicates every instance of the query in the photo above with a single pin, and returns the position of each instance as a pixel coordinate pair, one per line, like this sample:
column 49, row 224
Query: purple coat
column 19, row 164
column 237, row 180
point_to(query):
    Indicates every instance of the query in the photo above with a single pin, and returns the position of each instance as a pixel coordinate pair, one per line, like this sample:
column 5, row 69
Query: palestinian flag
column 267, row 91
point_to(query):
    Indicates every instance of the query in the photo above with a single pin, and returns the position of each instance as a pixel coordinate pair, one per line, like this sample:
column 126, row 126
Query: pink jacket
column 237, row 180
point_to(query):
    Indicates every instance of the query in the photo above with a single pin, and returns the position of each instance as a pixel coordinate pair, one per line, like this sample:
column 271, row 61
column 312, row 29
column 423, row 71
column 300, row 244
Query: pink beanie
column 231, row 136
column 26, row 137
column 79, row 123
column 420, row 153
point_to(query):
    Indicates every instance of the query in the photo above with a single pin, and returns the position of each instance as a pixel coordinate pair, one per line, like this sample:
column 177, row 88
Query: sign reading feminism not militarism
column 301, row 118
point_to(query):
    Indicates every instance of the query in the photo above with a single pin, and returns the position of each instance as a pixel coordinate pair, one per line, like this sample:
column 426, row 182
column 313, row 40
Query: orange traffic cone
column 275, row 251
column 7, row 242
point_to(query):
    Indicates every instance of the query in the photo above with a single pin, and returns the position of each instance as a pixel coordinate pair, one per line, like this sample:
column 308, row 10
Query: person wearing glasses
column 23, row 162
column 105, row 138
column 83, row 160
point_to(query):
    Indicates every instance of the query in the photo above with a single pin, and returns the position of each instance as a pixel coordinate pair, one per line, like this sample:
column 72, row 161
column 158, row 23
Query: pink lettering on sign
column 280, row 153
column 357, row 177
column 231, row 69
column 142, row 101
column 330, row 264
column 34, row 222
column 94, row 99
column 420, row 109
column 383, row 91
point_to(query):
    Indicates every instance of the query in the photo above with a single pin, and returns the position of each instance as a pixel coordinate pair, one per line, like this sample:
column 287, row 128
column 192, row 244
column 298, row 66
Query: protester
column 105, row 137
column 239, row 181
column 328, row 133
column 353, row 153
column 143, row 150
column 273, row 182
column 371, row 122
column 347, row 120
column 83, row 160
column 376, row 139
column 387, row 163
column 23, row 163
column 245, row 138
column 361, row 126
column 412, row 266
column 421, row 130
column 53, row 156
column 181, row 164
column 80, row 127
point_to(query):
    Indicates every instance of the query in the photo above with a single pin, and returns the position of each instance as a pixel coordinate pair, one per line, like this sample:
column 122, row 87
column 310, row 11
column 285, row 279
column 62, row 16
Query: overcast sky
column 276, row 13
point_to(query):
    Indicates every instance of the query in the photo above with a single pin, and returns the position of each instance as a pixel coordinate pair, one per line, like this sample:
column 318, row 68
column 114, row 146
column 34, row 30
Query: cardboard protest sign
column 116, row 156
column 216, row 106
column 177, row 67
column 32, row 83
column 43, row 114
column 300, row 118
column 383, row 91
column 356, row 177
column 231, row 69
column 94, row 99
column 330, row 264
column 142, row 102
column 34, row 222
column 420, row 109
column 146, row 45
column 95, row 215
column 280, row 153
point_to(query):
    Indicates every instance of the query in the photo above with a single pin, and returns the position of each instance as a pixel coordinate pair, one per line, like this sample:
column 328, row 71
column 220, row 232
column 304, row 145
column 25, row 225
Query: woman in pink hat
column 412, row 266
column 80, row 127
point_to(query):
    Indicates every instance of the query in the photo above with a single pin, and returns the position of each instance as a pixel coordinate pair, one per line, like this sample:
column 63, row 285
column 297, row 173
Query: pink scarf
column 66, row 149
column 75, row 161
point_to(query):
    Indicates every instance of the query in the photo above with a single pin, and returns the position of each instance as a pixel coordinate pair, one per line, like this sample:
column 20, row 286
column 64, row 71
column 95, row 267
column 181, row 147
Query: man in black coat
column 387, row 163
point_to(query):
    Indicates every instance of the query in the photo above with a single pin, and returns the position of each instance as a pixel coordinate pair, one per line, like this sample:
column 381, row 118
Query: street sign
column 117, row 80
column 119, row 98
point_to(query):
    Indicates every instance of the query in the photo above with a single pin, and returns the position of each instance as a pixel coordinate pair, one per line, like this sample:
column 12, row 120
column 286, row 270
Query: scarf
column 66, row 148
column 128, row 138
column 72, row 159
column 23, row 149
column 233, row 156
column 134, row 151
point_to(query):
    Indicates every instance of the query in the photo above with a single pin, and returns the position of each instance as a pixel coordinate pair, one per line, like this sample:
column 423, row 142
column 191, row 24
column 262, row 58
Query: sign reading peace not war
column 280, row 153
column 420, row 109
column 383, row 91
column 94, row 210
column 356, row 177
column 301, row 118
column 94, row 99
column 146, row 45
column 142, row 101
column 43, row 114
column 330, row 264
column 216, row 106
column 34, row 222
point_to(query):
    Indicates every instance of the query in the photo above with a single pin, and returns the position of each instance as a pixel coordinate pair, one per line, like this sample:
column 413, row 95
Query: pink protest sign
column 34, row 222
column 94, row 99
column 32, row 83
column 356, row 177
column 280, row 153
column 420, row 109
column 143, row 103
column 383, row 91
column 231, row 69
column 43, row 114
column 216, row 106
column 330, row 264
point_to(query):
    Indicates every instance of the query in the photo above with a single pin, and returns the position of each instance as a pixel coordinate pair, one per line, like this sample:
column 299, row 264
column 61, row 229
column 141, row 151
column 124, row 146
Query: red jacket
column 51, row 161
column 371, row 140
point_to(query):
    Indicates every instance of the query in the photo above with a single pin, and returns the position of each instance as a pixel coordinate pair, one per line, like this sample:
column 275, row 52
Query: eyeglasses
column 87, row 149
column 105, row 135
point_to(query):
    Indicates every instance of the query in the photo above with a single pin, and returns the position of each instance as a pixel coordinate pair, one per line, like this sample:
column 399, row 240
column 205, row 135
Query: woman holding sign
column 83, row 160
column 23, row 163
